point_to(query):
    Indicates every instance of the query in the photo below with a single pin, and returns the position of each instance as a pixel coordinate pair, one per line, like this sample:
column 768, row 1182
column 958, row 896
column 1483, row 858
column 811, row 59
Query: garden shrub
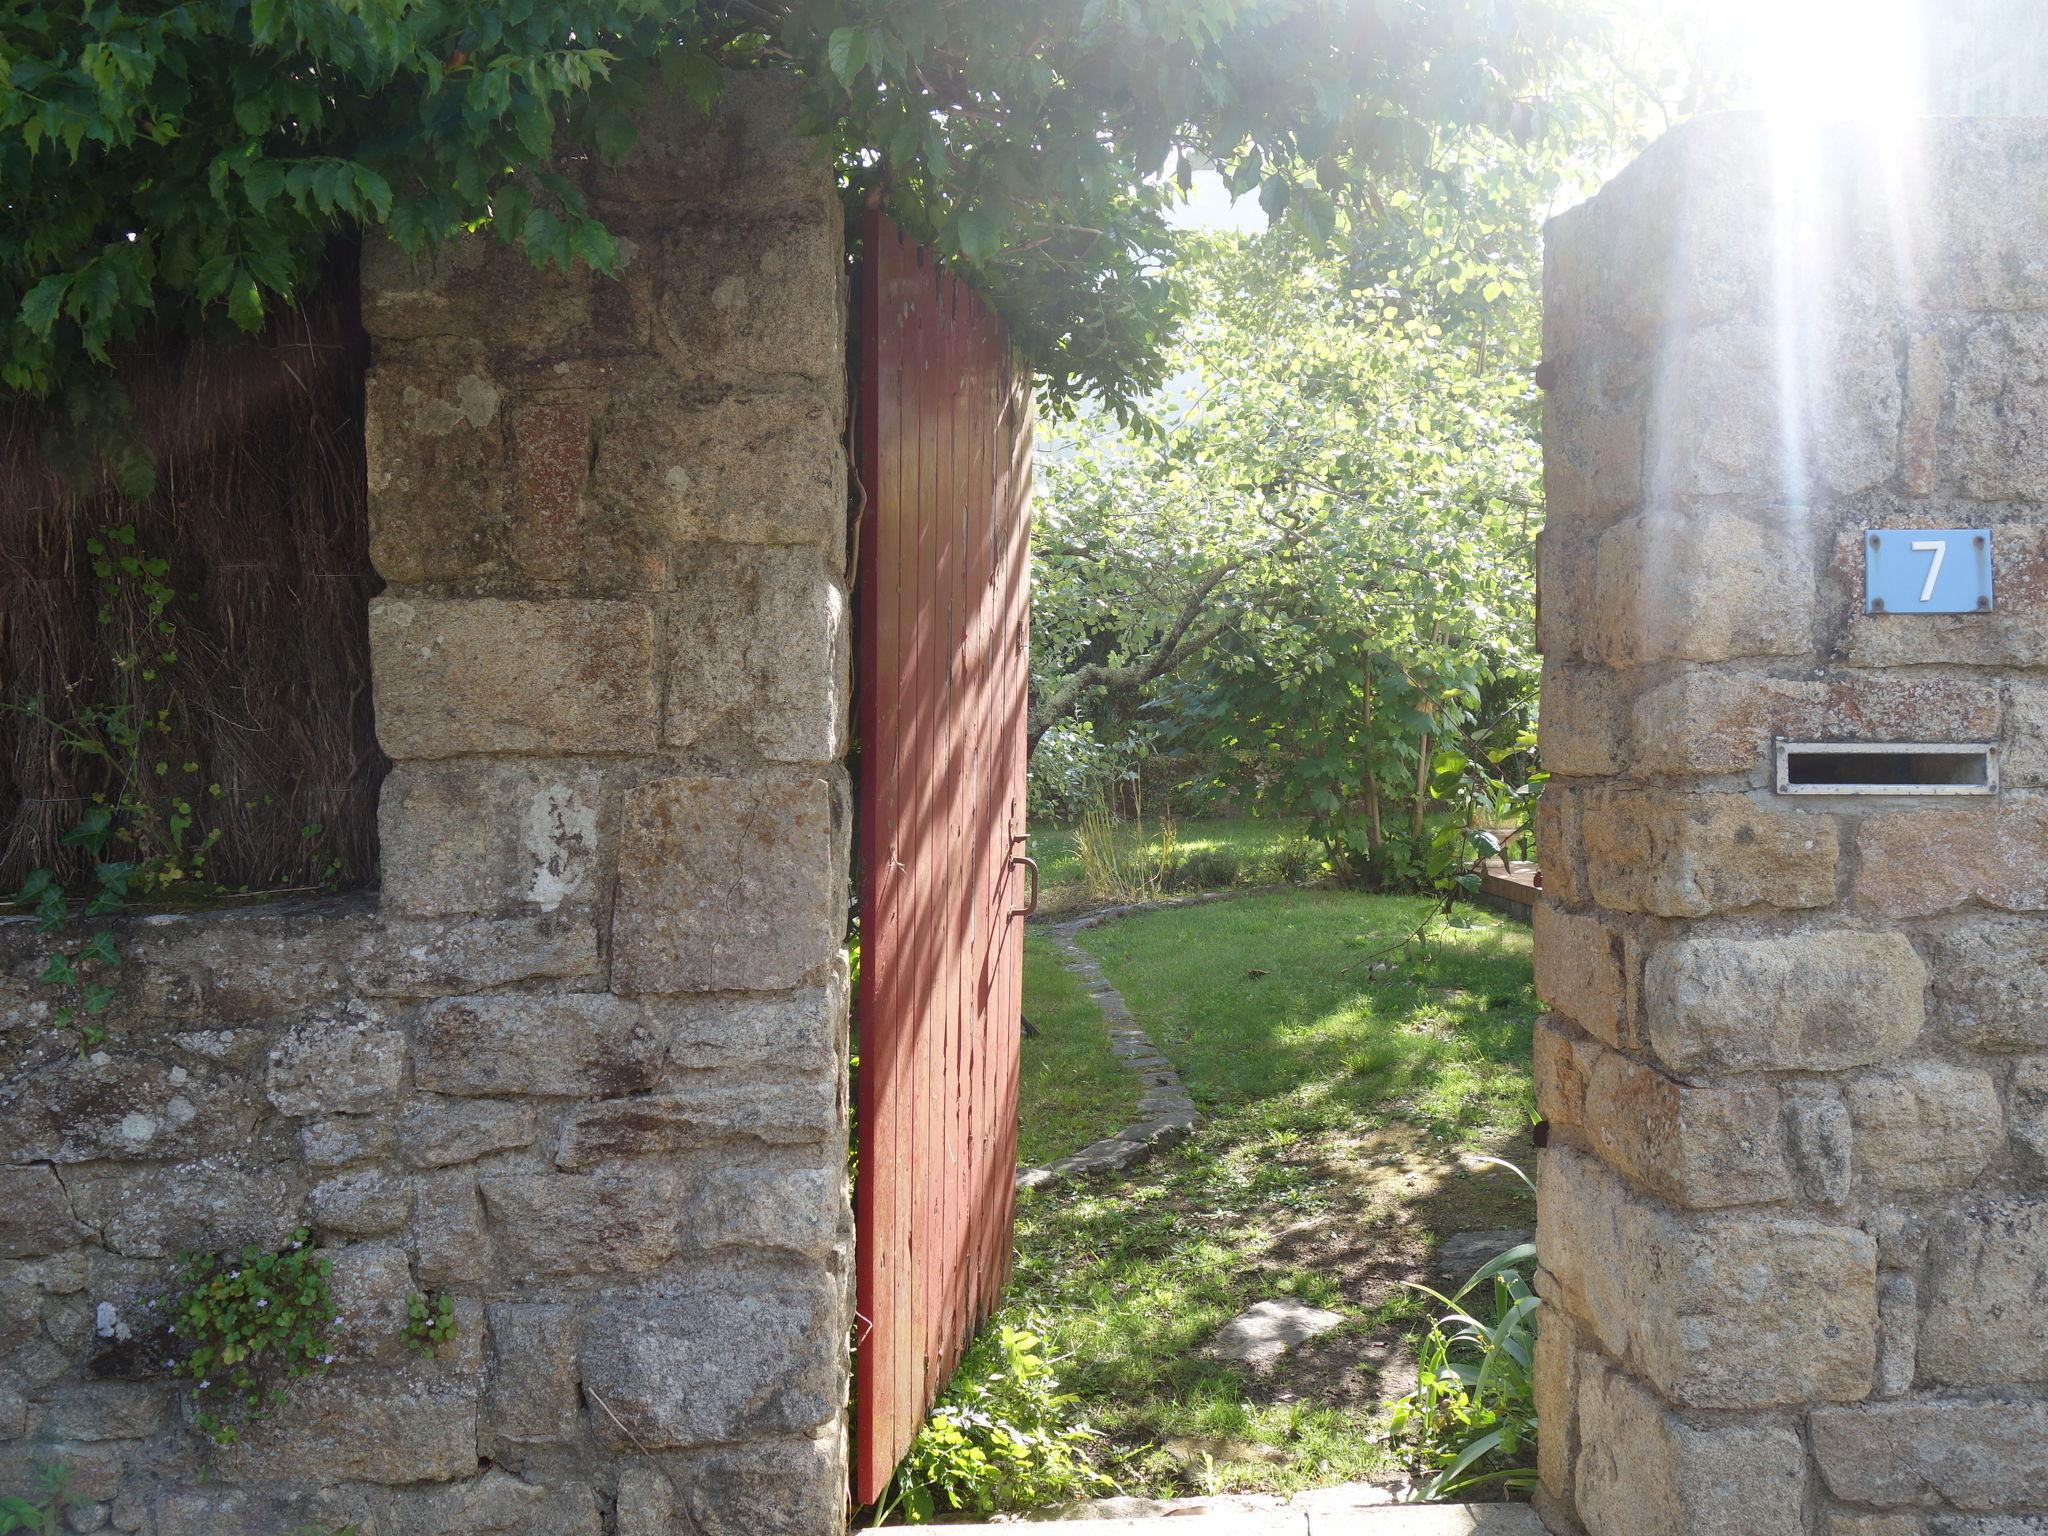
column 1002, row 1437
column 1470, row 1423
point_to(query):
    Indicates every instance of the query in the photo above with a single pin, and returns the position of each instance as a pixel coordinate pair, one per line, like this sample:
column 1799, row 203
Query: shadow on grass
column 1341, row 1097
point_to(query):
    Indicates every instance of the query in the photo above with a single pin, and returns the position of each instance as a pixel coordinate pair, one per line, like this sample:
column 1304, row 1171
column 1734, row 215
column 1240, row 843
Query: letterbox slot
column 1886, row 768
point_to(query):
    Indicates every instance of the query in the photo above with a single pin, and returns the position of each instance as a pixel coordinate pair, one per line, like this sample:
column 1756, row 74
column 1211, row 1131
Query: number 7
column 1939, row 549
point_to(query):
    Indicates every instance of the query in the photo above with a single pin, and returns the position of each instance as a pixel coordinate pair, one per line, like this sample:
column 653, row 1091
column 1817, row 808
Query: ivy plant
column 429, row 1321
column 139, row 835
column 245, row 1324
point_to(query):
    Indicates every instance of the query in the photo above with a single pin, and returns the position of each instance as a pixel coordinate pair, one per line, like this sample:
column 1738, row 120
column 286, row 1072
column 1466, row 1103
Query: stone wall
column 1793, row 1219
column 580, row 1065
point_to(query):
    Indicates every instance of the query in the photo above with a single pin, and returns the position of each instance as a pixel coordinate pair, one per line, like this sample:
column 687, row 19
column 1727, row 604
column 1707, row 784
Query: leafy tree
column 1316, row 576
column 172, row 168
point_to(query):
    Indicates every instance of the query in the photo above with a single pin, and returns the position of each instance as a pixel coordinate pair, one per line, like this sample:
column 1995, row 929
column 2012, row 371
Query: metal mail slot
column 1887, row 768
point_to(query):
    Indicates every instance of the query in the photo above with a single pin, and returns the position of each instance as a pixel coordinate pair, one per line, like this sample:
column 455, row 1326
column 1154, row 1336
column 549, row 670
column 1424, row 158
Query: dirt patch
column 1403, row 1193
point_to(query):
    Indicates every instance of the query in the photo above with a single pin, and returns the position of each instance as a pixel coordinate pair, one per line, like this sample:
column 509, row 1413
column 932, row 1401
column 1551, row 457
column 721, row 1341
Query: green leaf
column 847, row 53
column 40, row 305
column 245, row 302
column 980, row 234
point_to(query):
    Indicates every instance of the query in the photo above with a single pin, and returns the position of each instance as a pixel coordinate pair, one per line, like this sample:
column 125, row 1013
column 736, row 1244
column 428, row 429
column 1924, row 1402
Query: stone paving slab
column 1387, row 1520
column 1166, row 1112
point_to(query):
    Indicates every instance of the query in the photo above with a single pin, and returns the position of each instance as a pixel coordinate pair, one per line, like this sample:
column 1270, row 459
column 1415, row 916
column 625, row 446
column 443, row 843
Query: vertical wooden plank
column 929, row 872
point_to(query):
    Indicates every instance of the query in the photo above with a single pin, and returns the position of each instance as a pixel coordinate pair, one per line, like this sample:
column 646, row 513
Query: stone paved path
column 1165, row 1111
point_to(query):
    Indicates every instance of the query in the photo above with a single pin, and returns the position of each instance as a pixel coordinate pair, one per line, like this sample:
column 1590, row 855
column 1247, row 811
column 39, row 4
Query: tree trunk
column 1373, row 836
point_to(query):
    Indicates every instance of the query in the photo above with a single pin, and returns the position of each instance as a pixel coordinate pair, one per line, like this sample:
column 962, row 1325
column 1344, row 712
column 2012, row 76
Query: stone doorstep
column 1388, row 1520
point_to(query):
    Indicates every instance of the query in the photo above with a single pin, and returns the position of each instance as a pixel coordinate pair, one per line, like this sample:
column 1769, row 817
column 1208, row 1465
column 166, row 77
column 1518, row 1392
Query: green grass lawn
column 1338, row 1096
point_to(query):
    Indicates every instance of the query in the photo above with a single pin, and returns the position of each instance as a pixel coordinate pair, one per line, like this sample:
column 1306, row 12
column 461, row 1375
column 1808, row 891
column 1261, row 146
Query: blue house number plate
column 1927, row 570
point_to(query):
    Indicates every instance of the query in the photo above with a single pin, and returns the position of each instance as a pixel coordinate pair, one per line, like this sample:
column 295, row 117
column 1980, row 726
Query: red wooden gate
column 942, row 616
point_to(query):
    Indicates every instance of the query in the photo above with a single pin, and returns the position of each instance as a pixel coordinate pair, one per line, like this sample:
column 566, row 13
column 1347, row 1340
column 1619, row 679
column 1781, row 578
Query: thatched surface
column 261, row 508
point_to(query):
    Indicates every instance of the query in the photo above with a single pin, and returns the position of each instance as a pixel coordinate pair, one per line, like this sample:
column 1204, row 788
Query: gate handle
column 1031, row 906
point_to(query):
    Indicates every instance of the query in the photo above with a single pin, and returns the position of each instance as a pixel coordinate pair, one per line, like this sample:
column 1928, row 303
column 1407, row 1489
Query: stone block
column 210, row 1203
column 2024, row 763
column 1898, row 1337
column 551, row 1225
column 1817, row 1138
column 480, row 298
column 438, row 1133
column 494, row 675
column 216, row 1510
column 1985, row 233
column 2027, row 1109
column 342, row 1063
column 35, row 1214
column 1556, row 1398
column 739, row 467
column 530, row 1386
column 728, row 884
column 366, row 1202
column 548, row 1500
column 1971, row 1453
column 370, row 1283
column 437, row 473
column 551, row 453
column 1587, row 971
column 725, row 1358
column 1563, row 1068
column 1710, row 585
column 772, row 1486
column 1583, row 731
column 1987, row 1270
column 1991, row 983
column 743, row 155
column 1998, row 409
column 1920, row 862
column 344, row 1140
column 800, row 1031
column 1816, row 1001
column 753, row 301
column 422, row 958
column 562, row 1045
column 125, row 1106
column 1702, row 1148
column 93, row 1411
column 646, row 1504
column 418, row 1426
column 450, row 1244
column 492, row 836
column 1641, row 1471
column 700, row 1114
column 1564, row 594
column 757, row 652
column 1692, row 855
column 803, row 1210
column 1924, row 1125
column 1717, row 1311
column 1559, row 820
column 1732, row 416
column 1593, row 432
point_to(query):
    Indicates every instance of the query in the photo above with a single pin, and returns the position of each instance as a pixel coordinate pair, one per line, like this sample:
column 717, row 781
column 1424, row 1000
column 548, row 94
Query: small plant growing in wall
column 247, row 1324
column 40, row 1511
column 429, row 1321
